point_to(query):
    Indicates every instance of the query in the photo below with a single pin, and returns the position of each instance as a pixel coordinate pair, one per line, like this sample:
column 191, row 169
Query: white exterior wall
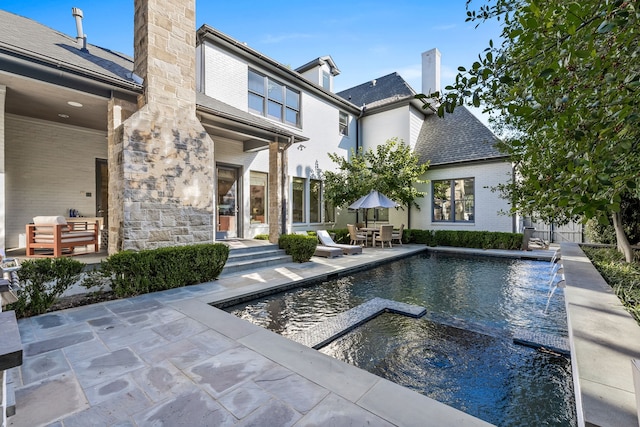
column 320, row 123
column 488, row 204
column 54, row 165
column 226, row 77
column 416, row 119
column 380, row 127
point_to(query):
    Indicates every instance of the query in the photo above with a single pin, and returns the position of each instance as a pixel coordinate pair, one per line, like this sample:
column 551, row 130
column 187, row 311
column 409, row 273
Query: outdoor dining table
column 370, row 232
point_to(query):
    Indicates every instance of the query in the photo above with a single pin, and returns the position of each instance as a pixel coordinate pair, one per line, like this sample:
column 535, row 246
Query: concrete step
column 243, row 259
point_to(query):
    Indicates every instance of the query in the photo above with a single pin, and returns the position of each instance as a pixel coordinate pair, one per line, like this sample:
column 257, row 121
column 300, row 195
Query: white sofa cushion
column 49, row 220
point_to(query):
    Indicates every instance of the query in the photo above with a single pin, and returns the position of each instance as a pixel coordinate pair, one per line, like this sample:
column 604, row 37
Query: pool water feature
column 461, row 352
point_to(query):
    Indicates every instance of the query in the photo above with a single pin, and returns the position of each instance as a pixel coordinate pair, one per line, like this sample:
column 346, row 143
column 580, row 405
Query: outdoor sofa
column 58, row 238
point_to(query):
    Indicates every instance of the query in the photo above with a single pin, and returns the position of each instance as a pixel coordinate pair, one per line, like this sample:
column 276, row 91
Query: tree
column 392, row 169
column 563, row 86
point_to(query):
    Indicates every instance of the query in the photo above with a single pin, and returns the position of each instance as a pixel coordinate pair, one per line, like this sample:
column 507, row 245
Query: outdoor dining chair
column 384, row 235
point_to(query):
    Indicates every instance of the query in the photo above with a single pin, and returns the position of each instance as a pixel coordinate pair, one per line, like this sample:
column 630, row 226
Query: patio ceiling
column 46, row 101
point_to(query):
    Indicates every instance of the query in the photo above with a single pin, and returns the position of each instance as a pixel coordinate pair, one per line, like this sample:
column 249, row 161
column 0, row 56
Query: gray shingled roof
column 61, row 50
column 458, row 137
column 391, row 86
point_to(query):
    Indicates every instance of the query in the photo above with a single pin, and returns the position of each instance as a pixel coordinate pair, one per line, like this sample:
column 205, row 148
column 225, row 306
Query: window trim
column 303, row 181
column 343, row 128
column 453, row 201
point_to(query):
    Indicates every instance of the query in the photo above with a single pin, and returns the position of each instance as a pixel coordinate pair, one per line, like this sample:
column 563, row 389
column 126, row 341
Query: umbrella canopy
column 373, row 200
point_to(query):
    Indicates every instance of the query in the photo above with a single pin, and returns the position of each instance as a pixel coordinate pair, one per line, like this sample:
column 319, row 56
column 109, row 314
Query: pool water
column 461, row 352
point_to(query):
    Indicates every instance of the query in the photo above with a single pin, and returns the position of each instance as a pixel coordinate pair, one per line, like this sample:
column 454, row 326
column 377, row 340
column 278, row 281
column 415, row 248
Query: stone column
column 278, row 189
column 162, row 156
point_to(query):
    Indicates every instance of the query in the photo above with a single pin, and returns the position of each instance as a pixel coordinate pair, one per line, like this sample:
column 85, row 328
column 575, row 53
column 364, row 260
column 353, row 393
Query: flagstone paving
column 169, row 358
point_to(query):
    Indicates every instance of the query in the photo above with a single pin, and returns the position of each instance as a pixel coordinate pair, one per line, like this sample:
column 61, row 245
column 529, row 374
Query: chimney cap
column 76, row 11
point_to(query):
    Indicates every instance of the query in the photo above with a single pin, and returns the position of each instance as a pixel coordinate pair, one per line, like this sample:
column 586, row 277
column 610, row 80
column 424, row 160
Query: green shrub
column 134, row 273
column 43, row 281
column 341, row 235
column 261, row 237
column 300, row 247
column 465, row 239
column 623, row 277
column 477, row 239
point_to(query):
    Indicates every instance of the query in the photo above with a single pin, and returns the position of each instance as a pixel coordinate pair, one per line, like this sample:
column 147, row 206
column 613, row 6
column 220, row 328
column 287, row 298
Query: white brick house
column 270, row 127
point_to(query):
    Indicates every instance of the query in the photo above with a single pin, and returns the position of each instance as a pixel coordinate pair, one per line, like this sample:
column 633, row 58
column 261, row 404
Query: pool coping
column 604, row 339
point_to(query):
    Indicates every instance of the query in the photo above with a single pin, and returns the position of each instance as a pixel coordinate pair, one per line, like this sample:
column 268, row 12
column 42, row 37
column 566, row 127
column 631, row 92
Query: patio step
column 243, row 259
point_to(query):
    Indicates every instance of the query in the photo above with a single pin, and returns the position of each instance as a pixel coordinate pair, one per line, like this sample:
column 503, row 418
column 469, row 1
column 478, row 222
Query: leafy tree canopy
column 563, row 86
column 392, row 169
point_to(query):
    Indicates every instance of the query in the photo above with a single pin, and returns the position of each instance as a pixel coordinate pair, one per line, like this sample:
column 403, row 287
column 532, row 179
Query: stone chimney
column 161, row 164
column 431, row 71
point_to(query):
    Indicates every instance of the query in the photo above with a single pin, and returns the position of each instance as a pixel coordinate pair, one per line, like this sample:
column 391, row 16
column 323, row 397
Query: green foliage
column 300, row 247
column 563, row 86
column 605, row 233
column 261, row 237
column 623, row 277
column 467, row 239
column 43, row 281
column 392, row 169
column 134, row 273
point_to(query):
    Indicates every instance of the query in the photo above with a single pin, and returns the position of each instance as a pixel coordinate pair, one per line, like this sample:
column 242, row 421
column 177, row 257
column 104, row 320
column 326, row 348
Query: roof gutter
column 30, row 64
column 208, row 33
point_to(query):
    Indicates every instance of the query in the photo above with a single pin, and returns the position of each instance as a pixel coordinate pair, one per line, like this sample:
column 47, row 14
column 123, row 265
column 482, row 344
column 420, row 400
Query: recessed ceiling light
column 74, row 104
column 64, row 116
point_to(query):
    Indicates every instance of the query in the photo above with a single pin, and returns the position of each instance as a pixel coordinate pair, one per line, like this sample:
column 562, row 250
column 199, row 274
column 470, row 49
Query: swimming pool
column 461, row 352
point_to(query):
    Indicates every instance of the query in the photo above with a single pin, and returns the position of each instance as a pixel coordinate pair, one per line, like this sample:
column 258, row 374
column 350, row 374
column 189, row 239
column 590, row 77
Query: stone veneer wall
column 161, row 164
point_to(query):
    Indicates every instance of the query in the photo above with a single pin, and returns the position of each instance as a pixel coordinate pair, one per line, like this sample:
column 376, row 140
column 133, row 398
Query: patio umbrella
column 374, row 199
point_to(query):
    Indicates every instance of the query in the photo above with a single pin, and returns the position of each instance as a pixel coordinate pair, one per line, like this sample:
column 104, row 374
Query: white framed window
column 326, row 80
column 343, row 123
column 273, row 99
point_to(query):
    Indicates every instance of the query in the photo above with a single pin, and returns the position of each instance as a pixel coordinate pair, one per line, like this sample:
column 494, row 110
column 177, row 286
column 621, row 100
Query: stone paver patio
column 169, row 358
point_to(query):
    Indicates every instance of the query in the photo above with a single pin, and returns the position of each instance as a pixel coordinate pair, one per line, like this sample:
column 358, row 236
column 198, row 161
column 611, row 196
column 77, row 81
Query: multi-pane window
column 297, row 200
column 454, row 200
column 381, row 214
column 343, row 124
column 258, row 197
column 273, row 99
column 315, row 200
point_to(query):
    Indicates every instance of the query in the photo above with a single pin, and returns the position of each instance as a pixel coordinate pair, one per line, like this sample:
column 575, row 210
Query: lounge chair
column 355, row 236
column 326, row 240
column 59, row 237
column 397, row 235
column 384, row 236
column 327, row 251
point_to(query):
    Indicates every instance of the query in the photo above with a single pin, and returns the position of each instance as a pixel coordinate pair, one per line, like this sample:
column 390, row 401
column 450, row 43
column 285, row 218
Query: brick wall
column 54, row 164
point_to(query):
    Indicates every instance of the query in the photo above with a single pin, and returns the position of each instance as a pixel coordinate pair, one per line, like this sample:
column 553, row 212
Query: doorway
column 227, row 224
column 102, row 190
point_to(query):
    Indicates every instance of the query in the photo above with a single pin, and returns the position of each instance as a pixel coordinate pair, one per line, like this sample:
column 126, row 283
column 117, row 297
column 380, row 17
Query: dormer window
column 326, row 80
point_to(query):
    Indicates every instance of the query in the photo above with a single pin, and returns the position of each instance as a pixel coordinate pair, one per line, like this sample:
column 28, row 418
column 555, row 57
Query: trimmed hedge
column 43, row 281
column 150, row 270
column 300, row 247
column 466, row 239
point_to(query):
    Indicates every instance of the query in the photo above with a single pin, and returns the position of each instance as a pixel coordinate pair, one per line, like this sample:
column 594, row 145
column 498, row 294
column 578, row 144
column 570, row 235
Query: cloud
column 274, row 39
